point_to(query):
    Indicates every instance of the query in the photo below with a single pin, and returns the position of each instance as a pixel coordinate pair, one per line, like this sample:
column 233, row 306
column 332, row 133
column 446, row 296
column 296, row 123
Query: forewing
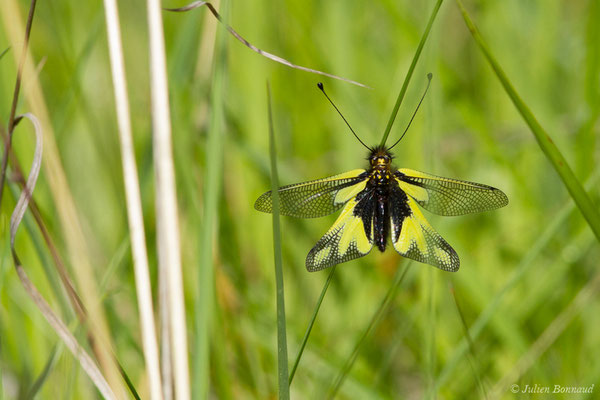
column 445, row 196
column 315, row 198
column 350, row 237
column 415, row 238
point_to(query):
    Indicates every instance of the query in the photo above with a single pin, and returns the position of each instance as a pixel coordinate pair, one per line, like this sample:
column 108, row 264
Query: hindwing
column 350, row 237
column 413, row 237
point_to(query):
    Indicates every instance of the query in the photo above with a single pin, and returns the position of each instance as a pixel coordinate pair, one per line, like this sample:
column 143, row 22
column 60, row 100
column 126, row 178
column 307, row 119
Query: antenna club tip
column 429, row 76
column 320, row 85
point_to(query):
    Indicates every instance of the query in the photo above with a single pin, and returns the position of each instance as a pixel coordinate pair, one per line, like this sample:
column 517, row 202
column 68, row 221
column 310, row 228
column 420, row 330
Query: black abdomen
column 381, row 218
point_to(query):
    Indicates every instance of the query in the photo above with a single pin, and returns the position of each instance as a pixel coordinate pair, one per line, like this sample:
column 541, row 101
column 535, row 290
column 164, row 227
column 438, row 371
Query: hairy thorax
column 381, row 173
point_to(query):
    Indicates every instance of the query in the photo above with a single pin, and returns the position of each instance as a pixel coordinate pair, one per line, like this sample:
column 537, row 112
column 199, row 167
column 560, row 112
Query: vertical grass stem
column 585, row 205
column 381, row 310
column 168, row 243
column 311, row 323
column 282, row 356
column 134, row 202
column 205, row 301
column 409, row 74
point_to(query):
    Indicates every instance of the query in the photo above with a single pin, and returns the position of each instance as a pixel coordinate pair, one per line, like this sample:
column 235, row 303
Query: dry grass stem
column 59, row 327
column 65, row 206
column 134, row 202
column 169, row 257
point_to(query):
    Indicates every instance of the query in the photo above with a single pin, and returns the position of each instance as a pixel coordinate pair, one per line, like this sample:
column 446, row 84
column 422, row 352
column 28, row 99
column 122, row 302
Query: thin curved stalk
column 85, row 361
column 212, row 9
column 15, row 101
column 66, row 210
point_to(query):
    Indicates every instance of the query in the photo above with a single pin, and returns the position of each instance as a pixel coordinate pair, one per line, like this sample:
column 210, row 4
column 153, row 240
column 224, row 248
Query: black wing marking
column 413, row 237
column 445, row 196
column 350, row 237
column 316, row 198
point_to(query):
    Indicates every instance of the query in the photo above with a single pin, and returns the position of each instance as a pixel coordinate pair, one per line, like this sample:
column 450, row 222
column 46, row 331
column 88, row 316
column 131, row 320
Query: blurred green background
column 467, row 129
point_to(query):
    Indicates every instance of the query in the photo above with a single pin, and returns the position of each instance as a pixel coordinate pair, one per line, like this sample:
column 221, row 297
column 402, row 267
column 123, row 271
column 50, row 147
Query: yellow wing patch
column 418, row 174
column 346, row 240
column 416, row 192
column 415, row 238
column 315, row 198
column 411, row 236
column 349, row 192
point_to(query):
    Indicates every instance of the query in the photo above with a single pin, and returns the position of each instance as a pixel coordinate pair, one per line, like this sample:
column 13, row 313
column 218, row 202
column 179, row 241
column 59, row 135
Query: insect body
column 381, row 202
column 379, row 184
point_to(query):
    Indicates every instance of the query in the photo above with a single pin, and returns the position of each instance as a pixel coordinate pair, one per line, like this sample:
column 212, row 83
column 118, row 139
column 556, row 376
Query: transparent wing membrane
column 315, row 198
column 448, row 197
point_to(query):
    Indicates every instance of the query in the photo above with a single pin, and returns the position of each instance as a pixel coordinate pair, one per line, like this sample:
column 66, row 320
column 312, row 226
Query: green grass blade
column 381, row 310
column 282, row 356
column 311, row 323
column 429, row 338
column 411, row 69
column 4, row 52
column 473, row 361
column 516, row 277
column 585, row 205
column 129, row 383
column 205, row 301
column 41, row 379
column 584, row 296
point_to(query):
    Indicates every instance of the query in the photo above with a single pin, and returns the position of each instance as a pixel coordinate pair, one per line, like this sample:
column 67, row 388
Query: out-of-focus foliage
column 467, row 128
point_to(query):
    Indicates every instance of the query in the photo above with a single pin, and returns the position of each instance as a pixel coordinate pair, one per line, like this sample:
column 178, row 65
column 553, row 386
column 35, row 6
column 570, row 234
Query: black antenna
column 320, row 86
column 429, row 76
